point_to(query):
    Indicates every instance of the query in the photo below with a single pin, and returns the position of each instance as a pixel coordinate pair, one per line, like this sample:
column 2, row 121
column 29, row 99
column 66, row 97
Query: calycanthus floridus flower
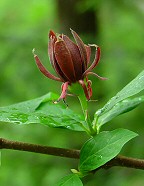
column 70, row 61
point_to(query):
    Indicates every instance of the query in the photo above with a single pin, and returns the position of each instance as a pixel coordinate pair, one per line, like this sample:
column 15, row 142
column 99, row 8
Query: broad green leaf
column 134, row 87
column 43, row 111
column 120, row 108
column 102, row 148
column 70, row 180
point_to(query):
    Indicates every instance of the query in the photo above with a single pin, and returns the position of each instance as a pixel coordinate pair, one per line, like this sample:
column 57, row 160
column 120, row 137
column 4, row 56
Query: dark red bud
column 70, row 61
column 64, row 60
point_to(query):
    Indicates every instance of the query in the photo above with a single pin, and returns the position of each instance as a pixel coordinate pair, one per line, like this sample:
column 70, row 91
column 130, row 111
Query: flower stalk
column 84, row 107
column 79, row 92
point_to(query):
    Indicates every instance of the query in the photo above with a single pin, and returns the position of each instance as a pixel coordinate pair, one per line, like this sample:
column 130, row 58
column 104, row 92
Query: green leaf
column 134, row 87
column 70, row 180
column 120, row 108
column 43, row 111
column 102, row 148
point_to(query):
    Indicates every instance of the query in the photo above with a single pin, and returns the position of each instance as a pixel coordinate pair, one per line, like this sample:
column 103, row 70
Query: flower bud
column 70, row 61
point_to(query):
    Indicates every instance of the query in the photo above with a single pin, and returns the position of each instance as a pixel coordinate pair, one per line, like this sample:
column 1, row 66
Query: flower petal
column 50, row 51
column 75, row 55
column 81, row 82
column 81, row 47
column 96, row 60
column 44, row 70
column 64, row 91
column 64, row 60
column 89, row 83
column 88, row 51
column 92, row 73
column 52, row 35
column 53, row 60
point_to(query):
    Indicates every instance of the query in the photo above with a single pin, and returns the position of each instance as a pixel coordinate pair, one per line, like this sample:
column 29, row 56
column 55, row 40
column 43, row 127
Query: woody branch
column 70, row 153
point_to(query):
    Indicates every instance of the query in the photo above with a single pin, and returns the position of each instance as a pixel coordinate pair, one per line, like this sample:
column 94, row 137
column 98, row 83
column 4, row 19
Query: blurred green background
column 117, row 26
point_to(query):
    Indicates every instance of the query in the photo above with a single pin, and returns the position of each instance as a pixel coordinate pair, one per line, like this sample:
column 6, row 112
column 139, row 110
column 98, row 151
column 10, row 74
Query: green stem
column 85, row 129
column 84, row 107
column 95, row 127
column 76, row 89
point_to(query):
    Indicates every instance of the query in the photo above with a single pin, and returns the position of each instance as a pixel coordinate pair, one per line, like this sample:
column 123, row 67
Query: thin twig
column 16, row 145
column 70, row 153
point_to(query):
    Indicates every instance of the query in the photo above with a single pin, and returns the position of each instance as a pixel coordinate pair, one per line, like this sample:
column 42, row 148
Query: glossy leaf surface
column 120, row 108
column 70, row 180
column 131, row 89
column 41, row 110
column 102, row 148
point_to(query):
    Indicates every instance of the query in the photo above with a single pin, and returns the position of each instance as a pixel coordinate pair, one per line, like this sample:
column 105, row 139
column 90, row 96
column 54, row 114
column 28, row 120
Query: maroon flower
column 70, row 61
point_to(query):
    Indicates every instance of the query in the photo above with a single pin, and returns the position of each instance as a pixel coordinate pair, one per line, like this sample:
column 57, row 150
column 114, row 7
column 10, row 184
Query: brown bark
column 119, row 160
